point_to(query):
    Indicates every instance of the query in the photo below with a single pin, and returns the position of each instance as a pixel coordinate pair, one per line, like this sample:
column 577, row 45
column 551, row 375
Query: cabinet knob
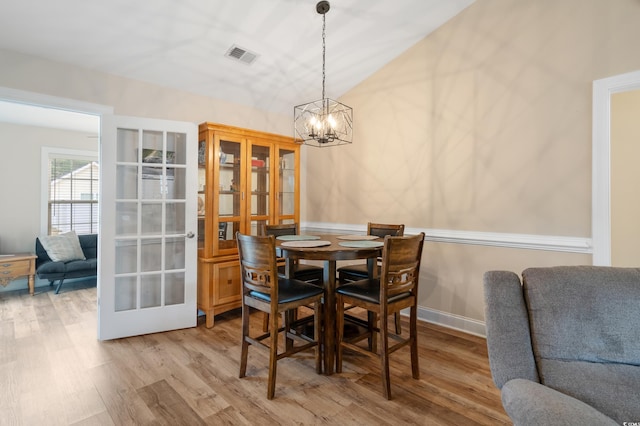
column 190, row 234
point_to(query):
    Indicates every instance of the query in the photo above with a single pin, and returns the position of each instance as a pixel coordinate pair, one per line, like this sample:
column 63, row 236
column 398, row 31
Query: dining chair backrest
column 400, row 266
column 258, row 264
column 382, row 230
column 281, row 229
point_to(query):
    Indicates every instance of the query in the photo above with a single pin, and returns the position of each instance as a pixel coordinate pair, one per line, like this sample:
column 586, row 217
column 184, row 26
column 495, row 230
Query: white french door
column 148, row 218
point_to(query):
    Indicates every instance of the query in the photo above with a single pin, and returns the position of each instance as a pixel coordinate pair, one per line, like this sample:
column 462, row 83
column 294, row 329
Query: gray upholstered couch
column 564, row 345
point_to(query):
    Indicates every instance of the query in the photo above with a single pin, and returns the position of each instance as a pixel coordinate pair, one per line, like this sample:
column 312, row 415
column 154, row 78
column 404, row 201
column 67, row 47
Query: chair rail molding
column 491, row 239
column 601, row 159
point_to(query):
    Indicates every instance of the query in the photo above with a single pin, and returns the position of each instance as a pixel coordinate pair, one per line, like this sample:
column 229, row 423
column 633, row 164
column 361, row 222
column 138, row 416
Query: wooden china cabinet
column 246, row 178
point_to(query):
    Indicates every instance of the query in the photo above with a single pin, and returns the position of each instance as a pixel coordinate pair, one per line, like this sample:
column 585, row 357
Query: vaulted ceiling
column 182, row 44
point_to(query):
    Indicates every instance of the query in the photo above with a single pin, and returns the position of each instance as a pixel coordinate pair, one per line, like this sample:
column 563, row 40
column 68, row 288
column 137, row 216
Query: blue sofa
column 564, row 344
column 59, row 271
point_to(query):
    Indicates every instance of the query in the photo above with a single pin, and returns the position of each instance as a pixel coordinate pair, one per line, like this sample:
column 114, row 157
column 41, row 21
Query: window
column 72, row 202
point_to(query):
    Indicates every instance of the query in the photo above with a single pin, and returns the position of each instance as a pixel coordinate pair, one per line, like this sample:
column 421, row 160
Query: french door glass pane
column 126, row 256
column 175, row 218
column 151, row 214
column 150, row 291
column 174, row 253
column 126, row 217
column 125, row 293
column 127, row 182
column 174, row 288
column 151, row 255
column 127, row 149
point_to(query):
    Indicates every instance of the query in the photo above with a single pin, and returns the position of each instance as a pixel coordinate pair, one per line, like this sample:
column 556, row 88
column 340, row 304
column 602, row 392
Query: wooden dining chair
column 304, row 272
column 395, row 289
column 349, row 273
column 264, row 290
column 309, row 273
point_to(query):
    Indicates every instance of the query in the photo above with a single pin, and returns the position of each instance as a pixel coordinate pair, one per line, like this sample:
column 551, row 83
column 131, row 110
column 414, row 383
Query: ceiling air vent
column 241, row 55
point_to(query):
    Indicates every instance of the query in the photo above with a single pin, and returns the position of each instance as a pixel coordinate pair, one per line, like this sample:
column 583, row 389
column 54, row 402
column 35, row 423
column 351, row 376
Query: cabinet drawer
column 227, row 282
column 14, row 269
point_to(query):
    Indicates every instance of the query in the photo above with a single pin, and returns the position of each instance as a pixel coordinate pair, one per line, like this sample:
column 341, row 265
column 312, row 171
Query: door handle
column 190, row 234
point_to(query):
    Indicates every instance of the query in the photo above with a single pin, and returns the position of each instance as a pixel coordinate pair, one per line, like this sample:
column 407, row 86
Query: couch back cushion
column 89, row 244
column 586, row 313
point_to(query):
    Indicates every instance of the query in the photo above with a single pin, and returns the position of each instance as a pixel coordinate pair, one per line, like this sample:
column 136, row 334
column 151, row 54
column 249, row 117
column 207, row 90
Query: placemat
column 305, row 244
column 361, row 244
column 357, row 237
column 297, row 237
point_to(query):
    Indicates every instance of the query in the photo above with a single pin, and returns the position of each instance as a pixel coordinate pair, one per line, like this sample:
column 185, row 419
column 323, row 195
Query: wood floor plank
column 49, row 352
column 168, row 407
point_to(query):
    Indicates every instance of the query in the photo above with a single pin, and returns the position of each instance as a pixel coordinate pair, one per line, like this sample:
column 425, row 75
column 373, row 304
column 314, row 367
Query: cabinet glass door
column 230, row 192
column 261, row 183
column 286, row 184
column 202, row 193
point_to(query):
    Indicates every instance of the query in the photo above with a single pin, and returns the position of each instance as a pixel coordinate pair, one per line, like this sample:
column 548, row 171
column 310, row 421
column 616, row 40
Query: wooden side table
column 18, row 265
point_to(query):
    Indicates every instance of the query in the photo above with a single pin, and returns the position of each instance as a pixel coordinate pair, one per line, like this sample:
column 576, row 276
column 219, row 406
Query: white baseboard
column 456, row 322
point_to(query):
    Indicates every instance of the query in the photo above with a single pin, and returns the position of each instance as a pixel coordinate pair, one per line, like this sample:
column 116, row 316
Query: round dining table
column 329, row 248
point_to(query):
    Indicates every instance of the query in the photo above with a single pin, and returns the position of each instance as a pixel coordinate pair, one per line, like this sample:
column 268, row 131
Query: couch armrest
column 529, row 403
column 508, row 334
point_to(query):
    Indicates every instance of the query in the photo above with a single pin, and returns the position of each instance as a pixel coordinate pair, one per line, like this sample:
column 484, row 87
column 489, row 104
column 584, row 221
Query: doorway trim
column 48, row 101
column 601, row 161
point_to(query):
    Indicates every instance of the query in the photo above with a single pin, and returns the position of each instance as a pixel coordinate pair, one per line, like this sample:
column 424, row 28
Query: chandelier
column 324, row 122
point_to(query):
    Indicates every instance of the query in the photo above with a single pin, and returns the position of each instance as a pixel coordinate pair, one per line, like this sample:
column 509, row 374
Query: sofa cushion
column 532, row 404
column 610, row 388
column 584, row 313
column 63, row 247
column 51, row 267
column 81, row 265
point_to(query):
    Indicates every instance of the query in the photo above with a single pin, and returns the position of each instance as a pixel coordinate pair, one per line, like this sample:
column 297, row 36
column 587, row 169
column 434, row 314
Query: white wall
column 21, row 177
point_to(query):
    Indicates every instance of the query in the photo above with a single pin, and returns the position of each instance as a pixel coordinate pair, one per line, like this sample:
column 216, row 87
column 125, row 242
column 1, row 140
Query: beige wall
column 485, row 125
column 625, row 178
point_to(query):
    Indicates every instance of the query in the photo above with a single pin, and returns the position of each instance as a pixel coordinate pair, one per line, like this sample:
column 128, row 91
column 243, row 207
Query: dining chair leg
column 245, row 345
column 413, row 330
column 384, row 356
column 372, row 320
column 273, row 357
column 396, row 317
column 317, row 334
column 339, row 332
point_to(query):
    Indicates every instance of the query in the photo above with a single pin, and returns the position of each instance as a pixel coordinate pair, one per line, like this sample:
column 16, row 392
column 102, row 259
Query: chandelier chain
column 324, row 48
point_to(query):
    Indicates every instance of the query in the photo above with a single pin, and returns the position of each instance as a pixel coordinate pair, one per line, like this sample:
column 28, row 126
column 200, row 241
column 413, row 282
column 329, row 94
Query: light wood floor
column 53, row 371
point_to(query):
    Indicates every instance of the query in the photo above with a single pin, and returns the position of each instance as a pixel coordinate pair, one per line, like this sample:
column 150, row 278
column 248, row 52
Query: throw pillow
column 63, row 247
